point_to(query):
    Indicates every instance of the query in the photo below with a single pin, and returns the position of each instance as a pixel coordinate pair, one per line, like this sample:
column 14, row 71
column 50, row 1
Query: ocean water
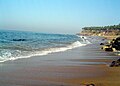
column 17, row 44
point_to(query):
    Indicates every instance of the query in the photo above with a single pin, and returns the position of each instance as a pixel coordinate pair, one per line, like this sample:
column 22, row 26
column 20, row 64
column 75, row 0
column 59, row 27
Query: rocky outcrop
column 116, row 43
column 113, row 45
column 115, row 63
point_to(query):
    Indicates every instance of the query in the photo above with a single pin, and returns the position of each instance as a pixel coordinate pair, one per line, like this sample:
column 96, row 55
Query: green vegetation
column 113, row 27
column 108, row 32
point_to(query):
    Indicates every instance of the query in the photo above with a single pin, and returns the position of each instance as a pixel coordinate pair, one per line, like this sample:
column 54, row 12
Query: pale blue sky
column 57, row 16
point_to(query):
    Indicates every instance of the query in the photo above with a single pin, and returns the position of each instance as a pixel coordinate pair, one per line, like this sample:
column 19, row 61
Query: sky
column 57, row 16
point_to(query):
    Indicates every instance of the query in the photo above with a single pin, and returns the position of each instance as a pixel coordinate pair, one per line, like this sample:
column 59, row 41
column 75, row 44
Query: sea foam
column 7, row 56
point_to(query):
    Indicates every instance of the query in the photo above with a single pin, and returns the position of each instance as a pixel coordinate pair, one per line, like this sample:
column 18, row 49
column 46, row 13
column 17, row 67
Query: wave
column 84, row 39
column 8, row 56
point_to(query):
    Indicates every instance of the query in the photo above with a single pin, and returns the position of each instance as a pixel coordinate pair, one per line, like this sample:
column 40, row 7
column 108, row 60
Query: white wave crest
column 43, row 52
column 85, row 39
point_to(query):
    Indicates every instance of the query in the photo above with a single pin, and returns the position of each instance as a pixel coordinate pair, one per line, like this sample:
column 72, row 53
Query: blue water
column 19, row 44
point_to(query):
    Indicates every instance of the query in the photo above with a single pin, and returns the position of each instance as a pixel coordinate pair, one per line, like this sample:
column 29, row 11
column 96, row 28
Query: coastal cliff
column 108, row 32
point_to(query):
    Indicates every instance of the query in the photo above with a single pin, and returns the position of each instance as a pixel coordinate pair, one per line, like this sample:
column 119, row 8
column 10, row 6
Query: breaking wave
column 26, row 54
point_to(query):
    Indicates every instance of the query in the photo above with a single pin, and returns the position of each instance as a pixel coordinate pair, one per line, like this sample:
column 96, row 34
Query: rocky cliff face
column 109, row 34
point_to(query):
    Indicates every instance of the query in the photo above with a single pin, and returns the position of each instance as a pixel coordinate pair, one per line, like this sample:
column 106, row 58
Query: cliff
column 108, row 32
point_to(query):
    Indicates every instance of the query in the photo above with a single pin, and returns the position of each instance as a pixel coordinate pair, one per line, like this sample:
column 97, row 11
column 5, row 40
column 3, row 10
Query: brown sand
column 100, row 75
column 106, row 77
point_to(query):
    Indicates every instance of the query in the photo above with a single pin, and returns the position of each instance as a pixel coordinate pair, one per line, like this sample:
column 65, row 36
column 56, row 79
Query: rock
column 116, row 43
column 90, row 85
column 101, row 43
column 114, row 50
column 104, row 47
column 112, row 45
column 112, row 64
column 118, row 60
column 115, row 63
column 19, row 40
column 108, row 49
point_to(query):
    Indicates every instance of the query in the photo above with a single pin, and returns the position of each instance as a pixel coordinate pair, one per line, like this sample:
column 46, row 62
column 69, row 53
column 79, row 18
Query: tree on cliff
column 113, row 27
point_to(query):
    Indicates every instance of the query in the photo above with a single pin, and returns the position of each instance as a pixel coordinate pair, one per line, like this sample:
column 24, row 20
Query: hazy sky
column 57, row 16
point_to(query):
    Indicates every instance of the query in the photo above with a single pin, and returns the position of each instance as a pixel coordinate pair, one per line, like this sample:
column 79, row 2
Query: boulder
column 19, row 40
column 105, row 46
column 115, row 63
column 108, row 49
column 112, row 64
column 116, row 43
column 90, row 85
column 101, row 43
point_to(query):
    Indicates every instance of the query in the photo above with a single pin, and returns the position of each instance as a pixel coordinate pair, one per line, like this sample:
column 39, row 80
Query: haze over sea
column 57, row 16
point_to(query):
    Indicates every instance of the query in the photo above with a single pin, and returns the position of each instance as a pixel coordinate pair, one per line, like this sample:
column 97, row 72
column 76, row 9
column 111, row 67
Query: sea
column 22, row 44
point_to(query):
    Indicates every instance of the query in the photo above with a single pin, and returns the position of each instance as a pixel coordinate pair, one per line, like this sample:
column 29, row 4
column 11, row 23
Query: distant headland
column 108, row 32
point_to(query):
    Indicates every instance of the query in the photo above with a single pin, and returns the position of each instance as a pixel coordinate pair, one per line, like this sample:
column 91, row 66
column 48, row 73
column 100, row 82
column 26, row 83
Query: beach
column 59, row 43
column 75, row 67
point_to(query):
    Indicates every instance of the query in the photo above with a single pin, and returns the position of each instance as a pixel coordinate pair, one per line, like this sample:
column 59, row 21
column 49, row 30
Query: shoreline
column 84, row 65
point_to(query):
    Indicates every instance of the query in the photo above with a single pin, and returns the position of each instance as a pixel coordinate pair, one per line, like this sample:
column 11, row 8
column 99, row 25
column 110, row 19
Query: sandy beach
column 77, row 67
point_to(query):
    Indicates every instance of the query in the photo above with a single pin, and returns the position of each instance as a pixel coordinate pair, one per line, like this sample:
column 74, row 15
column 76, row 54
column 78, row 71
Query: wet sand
column 83, row 65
